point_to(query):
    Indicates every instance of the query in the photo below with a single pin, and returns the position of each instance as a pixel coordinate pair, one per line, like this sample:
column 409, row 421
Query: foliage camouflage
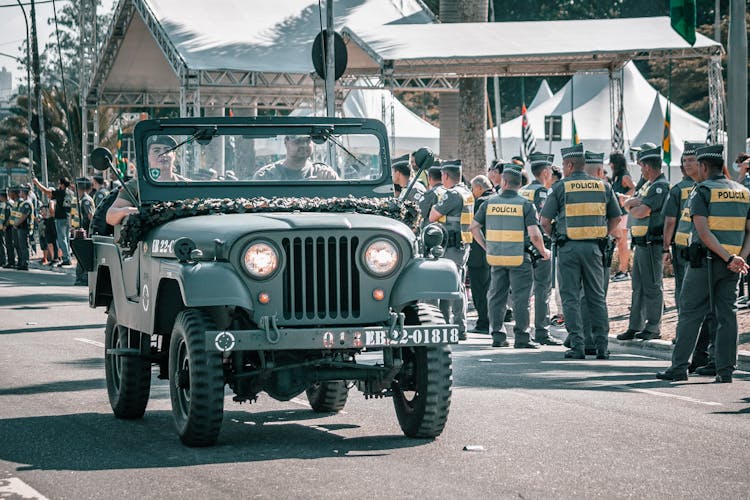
column 151, row 216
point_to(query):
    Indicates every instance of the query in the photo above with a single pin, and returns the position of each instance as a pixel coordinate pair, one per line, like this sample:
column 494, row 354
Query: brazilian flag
column 682, row 15
column 576, row 139
column 666, row 141
column 122, row 166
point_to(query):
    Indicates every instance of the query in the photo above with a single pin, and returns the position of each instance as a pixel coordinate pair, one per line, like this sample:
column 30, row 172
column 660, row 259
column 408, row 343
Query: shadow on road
column 41, row 298
column 64, row 328
column 90, row 441
column 51, row 387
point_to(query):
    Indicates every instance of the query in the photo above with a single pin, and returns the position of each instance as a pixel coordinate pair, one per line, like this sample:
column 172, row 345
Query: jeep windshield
column 210, row 154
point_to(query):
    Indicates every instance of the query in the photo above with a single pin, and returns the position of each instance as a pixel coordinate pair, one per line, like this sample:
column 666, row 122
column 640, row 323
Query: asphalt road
column 545, row 427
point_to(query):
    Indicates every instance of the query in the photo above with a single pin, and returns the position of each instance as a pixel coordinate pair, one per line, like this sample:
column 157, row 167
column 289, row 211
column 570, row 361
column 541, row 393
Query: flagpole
column 572, row 113
column 668, row 138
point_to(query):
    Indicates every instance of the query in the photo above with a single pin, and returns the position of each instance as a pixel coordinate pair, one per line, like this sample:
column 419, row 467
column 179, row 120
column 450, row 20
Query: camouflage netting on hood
column 159, row 213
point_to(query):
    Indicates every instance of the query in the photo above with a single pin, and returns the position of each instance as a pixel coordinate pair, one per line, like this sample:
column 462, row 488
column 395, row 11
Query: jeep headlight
column 381, row 257
column 261, row 260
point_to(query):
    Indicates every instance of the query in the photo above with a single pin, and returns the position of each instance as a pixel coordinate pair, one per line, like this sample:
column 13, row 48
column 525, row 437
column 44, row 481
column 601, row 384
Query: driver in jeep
column 161, row 158
column 297, row 164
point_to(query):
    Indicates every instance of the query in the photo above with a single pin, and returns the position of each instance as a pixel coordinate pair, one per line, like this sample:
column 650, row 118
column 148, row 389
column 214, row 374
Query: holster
column 560, row 241
column 607, row 246
column 533, row 253
column 696, row 253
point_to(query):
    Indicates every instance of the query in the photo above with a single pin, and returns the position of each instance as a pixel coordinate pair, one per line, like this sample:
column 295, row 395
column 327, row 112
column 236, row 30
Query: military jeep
column 269, row 255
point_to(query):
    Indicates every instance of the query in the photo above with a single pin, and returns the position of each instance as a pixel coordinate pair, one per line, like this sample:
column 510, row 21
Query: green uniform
column 7, row 235
column 505, row 218
column 430, row 198
column 416, row 193
column 582, row 206
column 676, row 205
column 99, row 196
column 537, row 194
column 726, row 205
column 457, row 209
column 25, row 209
column 647, row 300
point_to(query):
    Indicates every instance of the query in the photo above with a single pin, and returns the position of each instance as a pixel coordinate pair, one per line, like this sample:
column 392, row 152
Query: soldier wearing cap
column 719, row 246
column 4, row 217
column 402, row 175
column 647, row 234
column 455, row 211
column 433, row 194
column 511, row 226
column 11, row 245
column 83, row 222
column 23, row 224
column 585, row 213
column 536, row 192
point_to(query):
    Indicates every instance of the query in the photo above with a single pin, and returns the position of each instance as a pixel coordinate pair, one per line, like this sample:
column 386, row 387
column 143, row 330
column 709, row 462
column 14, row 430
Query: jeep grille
column 321, row 278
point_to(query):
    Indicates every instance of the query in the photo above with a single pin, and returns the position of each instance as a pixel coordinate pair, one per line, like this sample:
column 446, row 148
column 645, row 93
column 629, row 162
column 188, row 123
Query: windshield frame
column 153, row 191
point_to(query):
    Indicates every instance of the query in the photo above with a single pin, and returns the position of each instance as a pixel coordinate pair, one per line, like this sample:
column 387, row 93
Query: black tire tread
column 328, row 397
column 130, row 401
column 203, row 422
column 439, row 370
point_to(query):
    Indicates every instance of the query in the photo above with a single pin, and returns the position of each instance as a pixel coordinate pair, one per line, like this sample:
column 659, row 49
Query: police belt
column 647, row 240
column 560, row 241
column 696, row 254
column 454, row 240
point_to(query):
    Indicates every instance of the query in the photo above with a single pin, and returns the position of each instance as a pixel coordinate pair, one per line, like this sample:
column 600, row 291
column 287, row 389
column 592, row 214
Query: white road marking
column 658, row 393
column 13, row 487
column 89, row 341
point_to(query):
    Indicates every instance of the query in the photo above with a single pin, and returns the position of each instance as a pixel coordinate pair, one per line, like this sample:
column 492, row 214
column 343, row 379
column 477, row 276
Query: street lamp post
column 28, row 91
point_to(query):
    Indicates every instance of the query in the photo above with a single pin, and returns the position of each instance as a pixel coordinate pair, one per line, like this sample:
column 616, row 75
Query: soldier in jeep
column 296, row 164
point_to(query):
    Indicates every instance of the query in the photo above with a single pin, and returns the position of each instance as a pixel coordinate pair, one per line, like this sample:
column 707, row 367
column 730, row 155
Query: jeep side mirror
column 101, row 159
column 424, row 158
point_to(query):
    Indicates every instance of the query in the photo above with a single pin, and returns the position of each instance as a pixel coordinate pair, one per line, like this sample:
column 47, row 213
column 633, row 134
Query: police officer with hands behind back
column 719, row 246
column 455, row 211
column 536, row 192
column 646, row 230
column 586, row 213
column 433, row 194
column 511, row 227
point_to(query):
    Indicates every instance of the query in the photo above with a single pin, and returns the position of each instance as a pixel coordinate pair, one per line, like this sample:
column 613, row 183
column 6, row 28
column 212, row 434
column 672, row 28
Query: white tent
column 588, row 96
column 543, row 94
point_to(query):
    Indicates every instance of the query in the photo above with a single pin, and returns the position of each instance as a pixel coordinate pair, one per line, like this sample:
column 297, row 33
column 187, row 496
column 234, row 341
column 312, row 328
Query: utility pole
column 29, row 115
column 736, row 80
column 717, row 21
column 38, row 94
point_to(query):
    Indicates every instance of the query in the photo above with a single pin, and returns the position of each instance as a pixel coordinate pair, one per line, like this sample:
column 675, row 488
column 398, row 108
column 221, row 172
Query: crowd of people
column 48, row 221
column 516, row 236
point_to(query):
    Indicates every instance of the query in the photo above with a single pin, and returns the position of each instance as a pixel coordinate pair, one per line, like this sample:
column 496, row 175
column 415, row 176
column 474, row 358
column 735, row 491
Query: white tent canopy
column 543, row 94
column 588, row 96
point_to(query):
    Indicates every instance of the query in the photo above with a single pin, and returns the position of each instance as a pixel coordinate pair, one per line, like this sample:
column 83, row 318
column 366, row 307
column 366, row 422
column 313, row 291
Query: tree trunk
column 471, row 106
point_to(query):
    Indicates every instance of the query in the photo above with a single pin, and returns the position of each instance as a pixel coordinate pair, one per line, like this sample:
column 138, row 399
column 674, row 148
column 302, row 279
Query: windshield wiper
column 333, row 140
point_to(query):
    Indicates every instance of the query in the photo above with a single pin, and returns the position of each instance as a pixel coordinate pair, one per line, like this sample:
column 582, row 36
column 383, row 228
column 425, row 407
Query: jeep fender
column 426, row 279
column 208, row 284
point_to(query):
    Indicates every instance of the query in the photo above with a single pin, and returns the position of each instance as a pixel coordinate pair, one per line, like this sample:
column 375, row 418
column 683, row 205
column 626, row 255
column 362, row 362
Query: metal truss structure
column 716, row 102
column 616, row 110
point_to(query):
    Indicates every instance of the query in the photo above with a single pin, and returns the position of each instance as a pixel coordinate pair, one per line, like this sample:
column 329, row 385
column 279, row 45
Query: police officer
column 536, row 192
column 720, row 209
column 98, row 188
column 479, row 270
column 494, row 173
column 402, row 176
column 455, row 211
column 83, row 222
column 4, row 216
column 647, row 234
column 433, row 194
column 585, row 213
column 511, row 226
column 23, row 224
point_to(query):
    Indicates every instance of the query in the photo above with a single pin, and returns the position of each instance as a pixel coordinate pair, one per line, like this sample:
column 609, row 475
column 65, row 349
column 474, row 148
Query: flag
column 666, row 140
column 575, row 138
column 618, row 138
column 528, row 143
column 682, row 15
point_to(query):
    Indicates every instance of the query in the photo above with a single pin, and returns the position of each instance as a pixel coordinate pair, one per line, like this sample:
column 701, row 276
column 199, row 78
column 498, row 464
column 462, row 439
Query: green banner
column 682, row 15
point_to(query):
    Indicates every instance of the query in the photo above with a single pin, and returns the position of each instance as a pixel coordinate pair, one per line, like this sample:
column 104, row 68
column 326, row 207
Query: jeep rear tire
column 328, row 396
column 196, row 381
column 422, row 389
column 128, row 377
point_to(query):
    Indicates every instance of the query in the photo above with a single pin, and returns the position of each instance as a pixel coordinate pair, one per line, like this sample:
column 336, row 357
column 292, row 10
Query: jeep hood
column 204, row 229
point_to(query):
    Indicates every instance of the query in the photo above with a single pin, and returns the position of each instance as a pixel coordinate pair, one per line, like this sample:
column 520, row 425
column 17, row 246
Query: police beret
column 98, row 178
column 14, row 189
column 714, row 151
column 24, row 187
column 451, row 166
column 433, row 169
column 513, row 168
column 650, row 154
column 690, row 147
column 83, row 183
column 572, row 152
column 541, row 159
column 166, row 140
column 594, row 158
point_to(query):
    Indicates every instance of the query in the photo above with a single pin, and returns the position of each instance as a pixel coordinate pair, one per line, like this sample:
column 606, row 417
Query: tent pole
column 492, row 128
column 496, row 90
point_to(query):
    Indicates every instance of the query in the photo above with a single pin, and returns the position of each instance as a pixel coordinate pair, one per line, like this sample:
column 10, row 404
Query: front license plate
column 414, row 336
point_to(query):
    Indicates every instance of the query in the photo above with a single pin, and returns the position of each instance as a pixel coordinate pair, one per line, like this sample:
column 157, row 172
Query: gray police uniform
column 99, row 196
column 4, row 216
column 479, row 272
column 87, row 212
column 416, row 193
column 726, row 204
column 676, row 205
column 24, row 208
column 430, row 198
column 582, row 206
column 647, row 234
column 505, row 218
column 537, row 194
column 10, row 248
column 457, row 209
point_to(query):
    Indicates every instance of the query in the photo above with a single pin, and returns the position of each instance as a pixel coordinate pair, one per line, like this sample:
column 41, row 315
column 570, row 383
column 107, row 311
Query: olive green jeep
column 268, row 255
